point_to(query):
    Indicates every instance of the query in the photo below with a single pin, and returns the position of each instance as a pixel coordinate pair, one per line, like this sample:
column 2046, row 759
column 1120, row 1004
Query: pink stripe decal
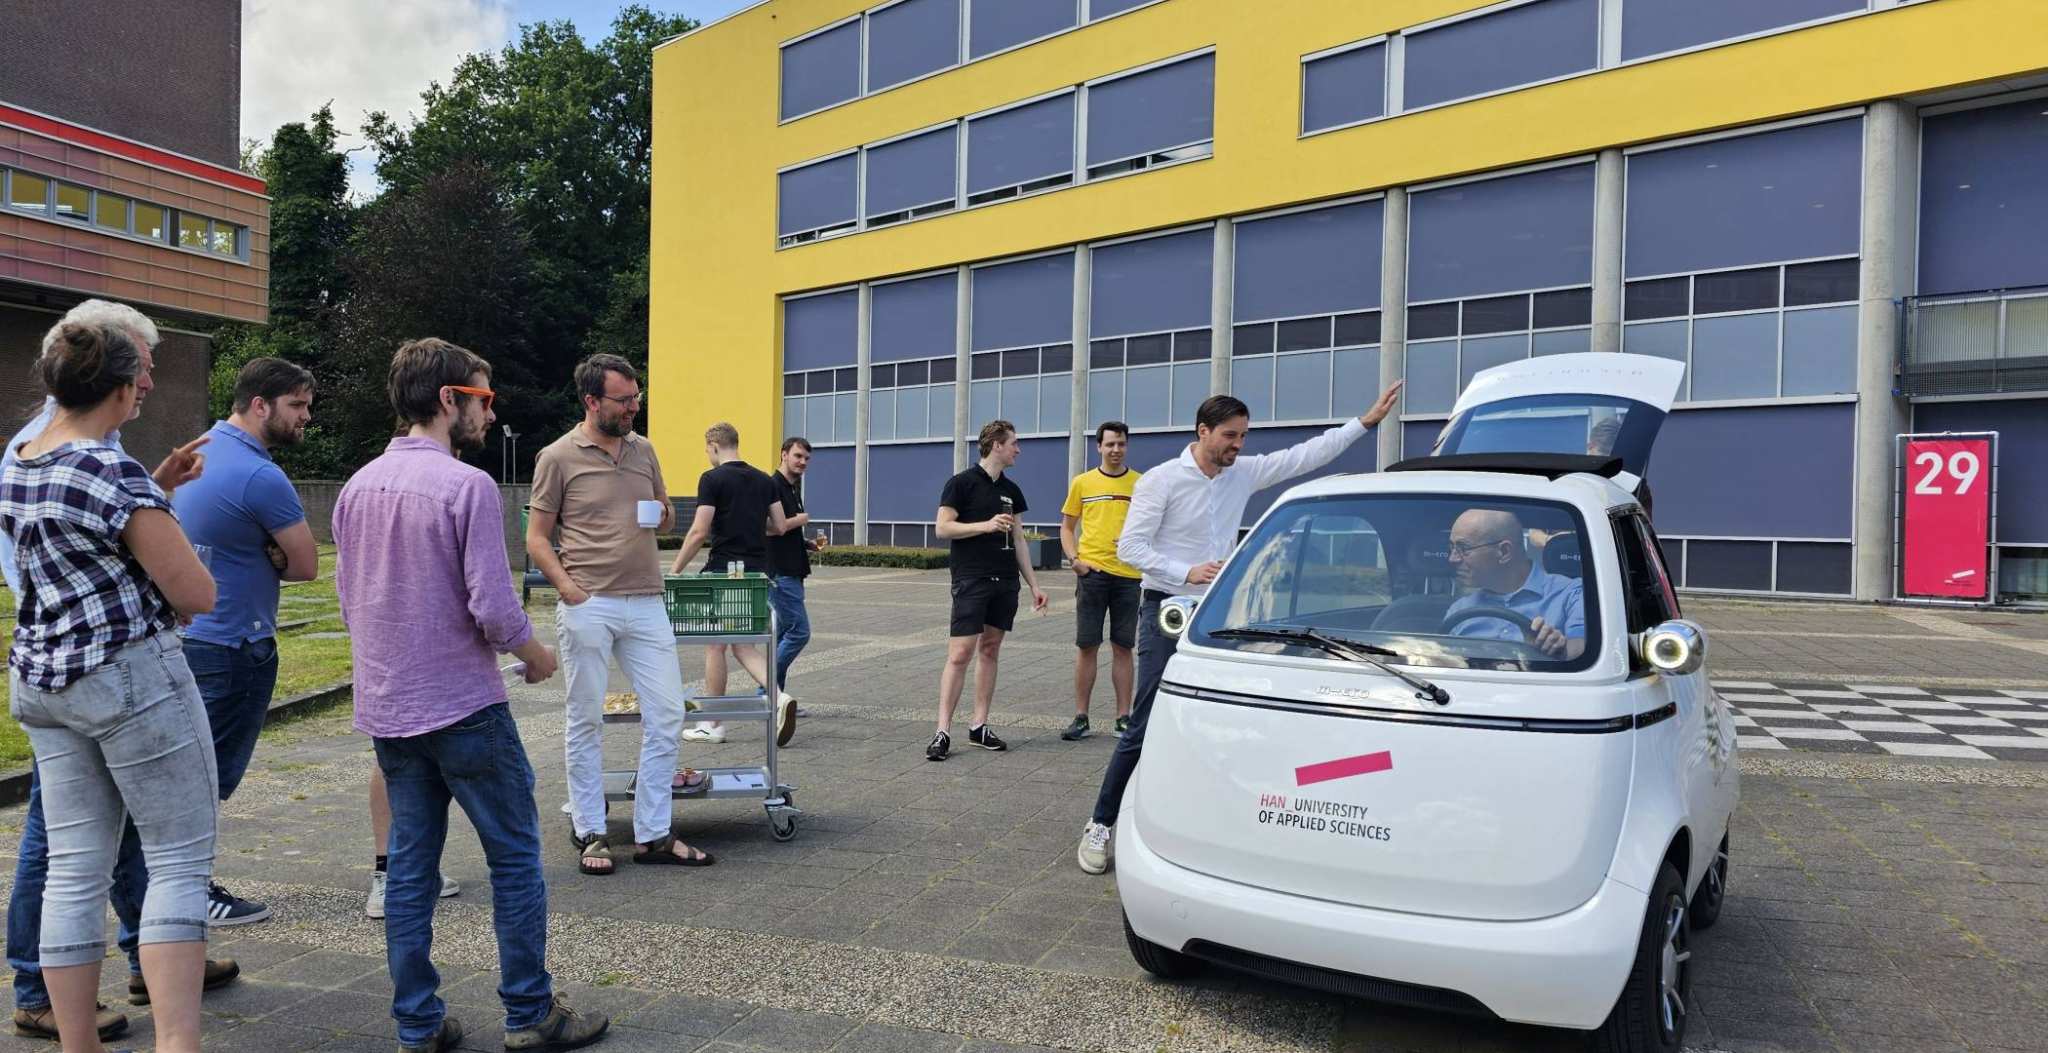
column 1365, row 764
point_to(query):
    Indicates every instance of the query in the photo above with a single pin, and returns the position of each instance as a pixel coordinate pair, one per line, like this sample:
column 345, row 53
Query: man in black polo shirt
column 737, row 508
column 789, row 560
column 978, row 513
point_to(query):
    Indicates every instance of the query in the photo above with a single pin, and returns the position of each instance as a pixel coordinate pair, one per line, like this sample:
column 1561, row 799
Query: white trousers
column 634, row 630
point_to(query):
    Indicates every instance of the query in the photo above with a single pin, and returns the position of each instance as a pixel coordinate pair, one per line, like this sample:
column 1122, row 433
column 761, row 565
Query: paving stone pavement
column 1877, row 903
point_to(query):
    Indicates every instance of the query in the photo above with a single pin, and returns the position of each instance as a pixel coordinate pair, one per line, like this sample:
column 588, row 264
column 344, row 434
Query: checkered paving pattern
column 1903, row 721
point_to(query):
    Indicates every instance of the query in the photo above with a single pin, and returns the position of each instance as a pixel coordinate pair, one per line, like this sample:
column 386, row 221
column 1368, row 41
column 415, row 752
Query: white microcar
column 1439, row 735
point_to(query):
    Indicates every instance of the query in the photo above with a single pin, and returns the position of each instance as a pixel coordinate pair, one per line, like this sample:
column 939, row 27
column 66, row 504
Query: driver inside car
column 1492, row 561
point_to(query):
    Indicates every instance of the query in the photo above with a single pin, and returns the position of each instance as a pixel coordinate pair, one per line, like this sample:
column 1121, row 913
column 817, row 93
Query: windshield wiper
column 1351, row 650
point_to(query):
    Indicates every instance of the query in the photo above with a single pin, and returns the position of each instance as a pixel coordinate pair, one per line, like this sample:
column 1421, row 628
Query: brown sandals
column 595, row 847
column 662, row 853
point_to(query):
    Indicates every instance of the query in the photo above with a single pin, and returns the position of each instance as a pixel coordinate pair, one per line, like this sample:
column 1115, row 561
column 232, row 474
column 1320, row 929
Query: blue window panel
column 1775, row 471
column 1251, row 380
column 994, row 26
column 1301, row 386
column 911, row 38
column 817, row 196
column 939, row 423
column 820, row 331
column 1041, row 472
column 1488, row 351
column 1344, row 88
column 1020, row 404
column 828, row 484
column 1148, row 397
column 1820, row 351
column 1813, row 566
column 821, row 70
column 911, row 172
column 1151, row 285
column 1663, row 339
column 1785, row 195
column 1101, row 9
column 1528, row 231
column 984, row 404
column 1190, row 388
column 1147, row 112
column 1983, row 201
column 843, row 411
column 1521, row 45
column 1307, row 263
column 1021, row 145
column 1418, row 438
column 913, row 319
column 904, row 481
column 1432, row 376
column 1357, row 380
column 1150, row 451
column 1024, row 303
column 1652, row 27
column 1106, row 394
column 1729, row 565
column 793, row 417
column 1562, row 342
column 1056, row 402
column 912, row 412
column 882, row 417
column 2022, row 427
column 1735, row 357
column 1360, row 456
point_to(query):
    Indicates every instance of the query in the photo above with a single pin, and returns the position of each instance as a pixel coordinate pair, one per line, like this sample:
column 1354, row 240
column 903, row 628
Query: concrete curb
column 14, row 784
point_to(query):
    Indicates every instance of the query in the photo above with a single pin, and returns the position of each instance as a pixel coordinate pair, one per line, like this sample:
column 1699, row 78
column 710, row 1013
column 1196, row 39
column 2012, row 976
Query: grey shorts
column 1099, row 594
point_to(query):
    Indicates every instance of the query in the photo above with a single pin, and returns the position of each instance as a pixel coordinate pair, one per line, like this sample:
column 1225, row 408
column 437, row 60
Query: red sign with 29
column 1947, row 531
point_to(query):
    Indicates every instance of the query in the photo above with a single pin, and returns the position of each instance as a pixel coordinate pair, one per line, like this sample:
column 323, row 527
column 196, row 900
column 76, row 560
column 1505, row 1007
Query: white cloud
column 362, row 55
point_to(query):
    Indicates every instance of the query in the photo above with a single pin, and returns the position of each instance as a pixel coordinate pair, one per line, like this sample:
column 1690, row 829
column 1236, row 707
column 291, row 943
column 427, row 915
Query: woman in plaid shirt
column 100, row 683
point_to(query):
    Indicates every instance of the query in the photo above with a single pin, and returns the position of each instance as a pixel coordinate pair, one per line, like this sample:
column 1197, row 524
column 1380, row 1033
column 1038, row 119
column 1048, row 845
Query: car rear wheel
column 1650, row 1015
column 1706, row 900
column 1159, row 961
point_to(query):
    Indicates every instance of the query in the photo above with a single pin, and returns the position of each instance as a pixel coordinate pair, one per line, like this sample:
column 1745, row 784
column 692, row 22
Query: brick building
column 119, row 139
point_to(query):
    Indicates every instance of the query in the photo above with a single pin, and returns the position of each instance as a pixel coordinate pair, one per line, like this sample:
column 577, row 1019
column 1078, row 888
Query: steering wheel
column 1514, row 618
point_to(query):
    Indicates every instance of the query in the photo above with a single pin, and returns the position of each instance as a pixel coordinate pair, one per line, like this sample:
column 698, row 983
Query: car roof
column 1593, row 493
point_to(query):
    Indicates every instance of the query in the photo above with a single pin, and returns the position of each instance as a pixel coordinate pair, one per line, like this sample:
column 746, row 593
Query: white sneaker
column 785, row 719
column 704, row 733
column 374, row 907
column 1094, row 853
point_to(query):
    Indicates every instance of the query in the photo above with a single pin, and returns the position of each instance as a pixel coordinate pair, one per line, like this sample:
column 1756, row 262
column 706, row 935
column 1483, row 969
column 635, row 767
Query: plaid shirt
column 84, row 596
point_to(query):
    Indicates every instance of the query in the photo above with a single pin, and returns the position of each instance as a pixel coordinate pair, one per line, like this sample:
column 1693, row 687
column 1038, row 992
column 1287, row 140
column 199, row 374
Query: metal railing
column 1987, row 342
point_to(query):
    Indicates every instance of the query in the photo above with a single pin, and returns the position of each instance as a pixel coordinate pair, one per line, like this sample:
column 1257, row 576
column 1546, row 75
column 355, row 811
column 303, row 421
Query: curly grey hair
column 107, row 313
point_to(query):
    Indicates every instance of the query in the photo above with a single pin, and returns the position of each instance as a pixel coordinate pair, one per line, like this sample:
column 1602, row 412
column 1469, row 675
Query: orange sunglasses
column 485, row 394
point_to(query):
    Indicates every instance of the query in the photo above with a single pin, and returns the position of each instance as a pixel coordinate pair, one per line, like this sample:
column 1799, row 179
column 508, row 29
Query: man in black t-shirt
column 738, row 507
column 789, row 560
column 978, row 513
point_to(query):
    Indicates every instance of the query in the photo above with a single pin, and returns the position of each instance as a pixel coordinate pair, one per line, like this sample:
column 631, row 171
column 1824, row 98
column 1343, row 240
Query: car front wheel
column 1165, row 963
column 1649, row 1017
column 1706, row 900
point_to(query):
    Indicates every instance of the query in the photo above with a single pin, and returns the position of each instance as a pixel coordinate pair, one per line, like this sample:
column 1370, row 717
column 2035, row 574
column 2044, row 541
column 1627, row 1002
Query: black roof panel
column 1548, row 465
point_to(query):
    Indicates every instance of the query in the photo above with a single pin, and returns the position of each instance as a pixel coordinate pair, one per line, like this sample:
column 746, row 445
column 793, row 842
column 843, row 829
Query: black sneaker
column 449, row 1037
column 220, row 972
column 224, row 908
column 985, row 737
column 1123, row 724
column 942, row 744
column 1078, row 729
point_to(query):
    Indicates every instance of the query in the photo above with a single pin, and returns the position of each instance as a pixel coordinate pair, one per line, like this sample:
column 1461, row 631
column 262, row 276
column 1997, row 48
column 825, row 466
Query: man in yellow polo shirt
column 1104, row 586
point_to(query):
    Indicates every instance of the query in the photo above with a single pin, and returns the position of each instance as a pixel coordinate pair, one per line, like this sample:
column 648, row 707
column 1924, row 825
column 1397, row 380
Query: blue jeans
column 792, row 624
column 479, row 763
column 25, row 905
column 236, row 683
column 1154, row 648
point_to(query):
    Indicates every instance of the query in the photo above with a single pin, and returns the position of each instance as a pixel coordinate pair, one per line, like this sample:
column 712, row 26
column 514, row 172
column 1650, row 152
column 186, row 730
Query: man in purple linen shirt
column 427, row 593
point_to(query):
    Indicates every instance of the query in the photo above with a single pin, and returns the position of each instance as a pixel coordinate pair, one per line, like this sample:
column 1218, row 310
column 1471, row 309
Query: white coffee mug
column 650, row 513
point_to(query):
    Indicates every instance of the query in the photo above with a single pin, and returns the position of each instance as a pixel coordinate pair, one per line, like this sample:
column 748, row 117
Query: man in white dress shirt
column 1182, row 524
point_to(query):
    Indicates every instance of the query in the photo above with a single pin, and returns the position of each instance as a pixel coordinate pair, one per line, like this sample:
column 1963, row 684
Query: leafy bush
column 881, row 556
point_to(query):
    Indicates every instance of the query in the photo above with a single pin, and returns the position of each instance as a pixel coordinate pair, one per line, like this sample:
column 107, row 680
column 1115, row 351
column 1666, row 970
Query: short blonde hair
column 723, row 435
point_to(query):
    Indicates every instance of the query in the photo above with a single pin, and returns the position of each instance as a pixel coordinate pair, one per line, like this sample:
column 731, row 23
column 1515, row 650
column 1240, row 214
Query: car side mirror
column 1174, row 614
column 1675, row 648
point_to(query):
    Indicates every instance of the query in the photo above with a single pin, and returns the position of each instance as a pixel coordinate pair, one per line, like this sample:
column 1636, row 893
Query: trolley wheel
column 781, row 824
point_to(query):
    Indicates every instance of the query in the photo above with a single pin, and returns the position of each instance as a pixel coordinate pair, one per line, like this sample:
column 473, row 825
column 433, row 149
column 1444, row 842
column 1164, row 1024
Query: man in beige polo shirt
column 601, row 484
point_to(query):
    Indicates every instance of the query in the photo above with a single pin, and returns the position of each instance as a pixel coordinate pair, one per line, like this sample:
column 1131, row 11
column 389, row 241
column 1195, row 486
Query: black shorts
column 984, row 603
column 1101, row 593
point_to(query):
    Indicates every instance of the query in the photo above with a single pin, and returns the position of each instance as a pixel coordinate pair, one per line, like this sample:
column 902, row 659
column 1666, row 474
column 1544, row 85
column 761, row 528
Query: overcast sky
column 366, row 55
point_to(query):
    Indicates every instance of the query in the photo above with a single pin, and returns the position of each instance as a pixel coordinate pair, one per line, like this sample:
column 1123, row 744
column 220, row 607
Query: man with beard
column 424, row 587
column 248, row 514
column 601, row 484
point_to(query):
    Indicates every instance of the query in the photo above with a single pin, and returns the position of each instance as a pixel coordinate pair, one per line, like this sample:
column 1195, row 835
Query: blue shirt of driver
column 1557, row 599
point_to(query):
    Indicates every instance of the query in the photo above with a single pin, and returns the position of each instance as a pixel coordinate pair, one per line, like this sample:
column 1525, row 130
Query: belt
column 1155, row 596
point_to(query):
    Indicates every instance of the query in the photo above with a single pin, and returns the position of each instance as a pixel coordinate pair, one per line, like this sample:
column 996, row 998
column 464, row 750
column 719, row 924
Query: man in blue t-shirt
column 1491, row 557
column 248, row 514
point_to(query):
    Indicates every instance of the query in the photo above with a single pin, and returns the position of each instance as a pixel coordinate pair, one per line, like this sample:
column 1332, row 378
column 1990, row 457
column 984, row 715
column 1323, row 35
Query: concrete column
column 1888, row 245
column 963, row 342
column 863, row 352
column 1078, row 421
column 1608, row 217
column 1393, row 313
column 1222, row 265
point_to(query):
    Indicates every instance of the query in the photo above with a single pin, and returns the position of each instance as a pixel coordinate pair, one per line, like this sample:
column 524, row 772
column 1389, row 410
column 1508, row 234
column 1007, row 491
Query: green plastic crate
column 716, row 604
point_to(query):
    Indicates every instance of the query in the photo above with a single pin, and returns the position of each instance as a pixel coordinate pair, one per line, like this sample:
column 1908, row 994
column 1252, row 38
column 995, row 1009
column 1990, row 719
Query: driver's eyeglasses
column 485, row 394
column 623, row 400
column 1462, row 550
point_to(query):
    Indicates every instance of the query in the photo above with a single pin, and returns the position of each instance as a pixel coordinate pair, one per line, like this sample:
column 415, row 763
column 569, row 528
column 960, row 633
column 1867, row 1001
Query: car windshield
column 1600, row 425
column 1450, row 581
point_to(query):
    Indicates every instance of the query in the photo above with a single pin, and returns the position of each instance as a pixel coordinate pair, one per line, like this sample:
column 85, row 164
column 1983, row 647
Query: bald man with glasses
column 1491, row 557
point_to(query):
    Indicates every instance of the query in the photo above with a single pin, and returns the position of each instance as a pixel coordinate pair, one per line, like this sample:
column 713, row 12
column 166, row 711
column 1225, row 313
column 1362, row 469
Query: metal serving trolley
column 713, row 610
